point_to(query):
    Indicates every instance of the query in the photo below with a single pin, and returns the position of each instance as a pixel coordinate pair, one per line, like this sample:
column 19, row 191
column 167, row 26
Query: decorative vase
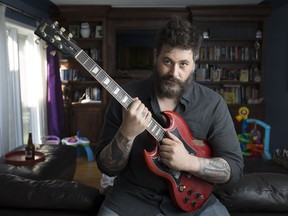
column 85, row 30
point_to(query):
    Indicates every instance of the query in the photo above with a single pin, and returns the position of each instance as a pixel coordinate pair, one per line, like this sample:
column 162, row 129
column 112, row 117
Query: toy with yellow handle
column 243, row 113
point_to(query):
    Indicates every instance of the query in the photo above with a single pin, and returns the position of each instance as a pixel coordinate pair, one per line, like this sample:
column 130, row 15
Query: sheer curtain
column 22, row 86
column 4, row 86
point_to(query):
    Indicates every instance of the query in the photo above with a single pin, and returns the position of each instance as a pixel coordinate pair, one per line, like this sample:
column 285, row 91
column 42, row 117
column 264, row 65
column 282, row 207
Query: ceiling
column 155, row 3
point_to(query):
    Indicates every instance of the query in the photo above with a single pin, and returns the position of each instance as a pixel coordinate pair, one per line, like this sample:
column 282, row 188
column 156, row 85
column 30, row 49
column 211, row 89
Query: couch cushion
column 280, row 156
column 256, row 192
column 20, row 192
column 59, row 163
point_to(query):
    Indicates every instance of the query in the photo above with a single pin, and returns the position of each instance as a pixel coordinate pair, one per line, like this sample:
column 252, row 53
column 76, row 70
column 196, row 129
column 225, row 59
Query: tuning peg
column 62, row 30
column 45, row 47
column 37, row 41
column 53, row 53
column 70, row 35
column 55, row 23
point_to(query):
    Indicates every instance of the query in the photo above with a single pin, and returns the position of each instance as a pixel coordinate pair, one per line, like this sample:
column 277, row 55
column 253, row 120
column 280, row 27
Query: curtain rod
column 21, row 12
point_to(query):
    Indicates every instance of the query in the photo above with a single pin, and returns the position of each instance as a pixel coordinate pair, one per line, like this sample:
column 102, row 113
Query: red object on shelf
column 17, row 158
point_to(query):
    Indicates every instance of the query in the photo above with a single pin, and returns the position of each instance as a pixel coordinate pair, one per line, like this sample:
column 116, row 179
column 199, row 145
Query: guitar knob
column 190, row 192
column 186, row 200
column 194, row 203
column 181, row 188
column 199, row 196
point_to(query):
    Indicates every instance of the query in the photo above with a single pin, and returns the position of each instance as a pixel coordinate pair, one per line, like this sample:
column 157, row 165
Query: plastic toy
column 77, row 141
column 251, row 142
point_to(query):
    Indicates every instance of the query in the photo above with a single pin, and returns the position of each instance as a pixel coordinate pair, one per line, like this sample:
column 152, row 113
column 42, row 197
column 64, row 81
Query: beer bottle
column 30, row 149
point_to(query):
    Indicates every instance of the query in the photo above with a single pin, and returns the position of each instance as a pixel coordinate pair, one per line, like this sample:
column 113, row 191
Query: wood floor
column 87, row 172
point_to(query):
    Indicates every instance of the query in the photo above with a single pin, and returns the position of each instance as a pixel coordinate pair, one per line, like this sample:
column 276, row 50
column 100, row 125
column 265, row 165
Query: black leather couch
column 22, row 196
column 263, row 191
column 59, row 163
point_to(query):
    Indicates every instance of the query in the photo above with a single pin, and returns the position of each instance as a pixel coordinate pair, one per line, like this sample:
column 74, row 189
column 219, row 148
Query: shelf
column 228, row 82
column 202, row 61
column 232, row 40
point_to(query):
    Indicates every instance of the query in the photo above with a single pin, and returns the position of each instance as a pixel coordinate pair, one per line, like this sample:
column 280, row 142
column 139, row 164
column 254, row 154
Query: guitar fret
column 106, row 81
column 155, row 130
column 95, row 71
column 85, row 60
column 116, row 91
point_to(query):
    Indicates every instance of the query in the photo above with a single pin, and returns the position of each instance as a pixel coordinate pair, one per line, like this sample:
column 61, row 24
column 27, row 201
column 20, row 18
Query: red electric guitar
column 187, row 191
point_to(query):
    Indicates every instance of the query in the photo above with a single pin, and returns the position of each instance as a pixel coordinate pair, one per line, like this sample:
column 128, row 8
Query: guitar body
column 187, row 191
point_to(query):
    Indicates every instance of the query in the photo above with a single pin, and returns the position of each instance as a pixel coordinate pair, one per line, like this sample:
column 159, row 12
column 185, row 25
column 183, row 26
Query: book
column 200, row 74
column 244, row 75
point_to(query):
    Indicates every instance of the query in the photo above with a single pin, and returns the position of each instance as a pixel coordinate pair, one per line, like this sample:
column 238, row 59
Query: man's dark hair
column 179, row 32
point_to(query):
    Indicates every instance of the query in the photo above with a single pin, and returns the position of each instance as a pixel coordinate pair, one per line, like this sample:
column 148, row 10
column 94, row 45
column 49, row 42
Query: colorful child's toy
column 251, row 143
column 77, row 141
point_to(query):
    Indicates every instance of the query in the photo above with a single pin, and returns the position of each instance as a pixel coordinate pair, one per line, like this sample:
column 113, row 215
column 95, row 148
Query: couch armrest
column 20, row 192
column 256, row 192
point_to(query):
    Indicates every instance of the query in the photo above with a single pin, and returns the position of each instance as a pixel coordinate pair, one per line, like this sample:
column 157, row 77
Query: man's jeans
column 217, row 209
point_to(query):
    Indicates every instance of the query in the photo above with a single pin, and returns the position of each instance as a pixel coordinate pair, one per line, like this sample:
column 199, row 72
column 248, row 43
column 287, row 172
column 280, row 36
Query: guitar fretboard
column 154, row 128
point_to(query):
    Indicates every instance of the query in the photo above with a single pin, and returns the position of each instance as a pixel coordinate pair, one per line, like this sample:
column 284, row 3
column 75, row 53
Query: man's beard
column 172, row 89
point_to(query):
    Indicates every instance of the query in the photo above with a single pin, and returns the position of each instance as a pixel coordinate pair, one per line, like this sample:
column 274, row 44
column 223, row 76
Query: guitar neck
column 154, row 128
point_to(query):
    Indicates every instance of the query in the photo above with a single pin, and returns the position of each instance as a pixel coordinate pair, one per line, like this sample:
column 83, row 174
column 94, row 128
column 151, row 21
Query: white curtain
column 4, row 86
column 33, row 67
column 22, row 86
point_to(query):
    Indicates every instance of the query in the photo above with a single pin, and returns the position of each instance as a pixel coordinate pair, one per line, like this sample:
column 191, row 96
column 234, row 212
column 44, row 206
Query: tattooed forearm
column 215, row 170
column 115, row 155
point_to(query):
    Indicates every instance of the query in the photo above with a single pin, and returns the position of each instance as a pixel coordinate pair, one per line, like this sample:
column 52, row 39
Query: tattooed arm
column 174, row 155
column 114, row 157
column 215, row 170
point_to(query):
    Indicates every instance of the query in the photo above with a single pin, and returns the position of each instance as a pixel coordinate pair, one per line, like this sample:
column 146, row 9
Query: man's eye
column 184, row 64
column 166, row 61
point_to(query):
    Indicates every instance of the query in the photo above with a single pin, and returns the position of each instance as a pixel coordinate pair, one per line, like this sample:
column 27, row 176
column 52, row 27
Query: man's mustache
column 172, row 79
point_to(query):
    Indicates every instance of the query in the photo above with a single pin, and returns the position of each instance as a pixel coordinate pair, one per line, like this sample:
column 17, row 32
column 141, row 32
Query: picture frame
column 216, row 75
column 74, row 30
column 98, row 31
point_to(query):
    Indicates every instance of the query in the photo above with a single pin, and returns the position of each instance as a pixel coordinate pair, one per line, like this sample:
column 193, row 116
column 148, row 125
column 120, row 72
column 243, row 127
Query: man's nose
column 175, row 70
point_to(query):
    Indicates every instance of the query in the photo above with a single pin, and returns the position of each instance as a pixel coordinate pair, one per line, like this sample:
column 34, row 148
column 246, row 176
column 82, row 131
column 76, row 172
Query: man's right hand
column 135, row 119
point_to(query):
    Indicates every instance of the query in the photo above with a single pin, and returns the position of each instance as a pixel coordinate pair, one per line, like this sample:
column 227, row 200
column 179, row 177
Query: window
column 26, row 77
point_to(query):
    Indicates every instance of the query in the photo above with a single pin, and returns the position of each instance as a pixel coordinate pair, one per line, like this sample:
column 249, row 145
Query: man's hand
column 174, row 154
column 135, row 119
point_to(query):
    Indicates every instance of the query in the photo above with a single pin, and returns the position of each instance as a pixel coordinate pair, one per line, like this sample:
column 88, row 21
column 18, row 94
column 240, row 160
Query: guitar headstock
column 51, row 33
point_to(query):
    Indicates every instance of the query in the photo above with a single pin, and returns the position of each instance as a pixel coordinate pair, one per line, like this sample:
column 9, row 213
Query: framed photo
column 98, row 31
column 74, row 30
column 216, row 75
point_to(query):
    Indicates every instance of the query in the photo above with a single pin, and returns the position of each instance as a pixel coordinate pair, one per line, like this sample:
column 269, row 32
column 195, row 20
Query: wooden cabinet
column 84, row 98
column 88, row 119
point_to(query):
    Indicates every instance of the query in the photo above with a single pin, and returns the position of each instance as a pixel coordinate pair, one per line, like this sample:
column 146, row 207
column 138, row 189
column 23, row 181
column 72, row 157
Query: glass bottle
column 30, row 149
